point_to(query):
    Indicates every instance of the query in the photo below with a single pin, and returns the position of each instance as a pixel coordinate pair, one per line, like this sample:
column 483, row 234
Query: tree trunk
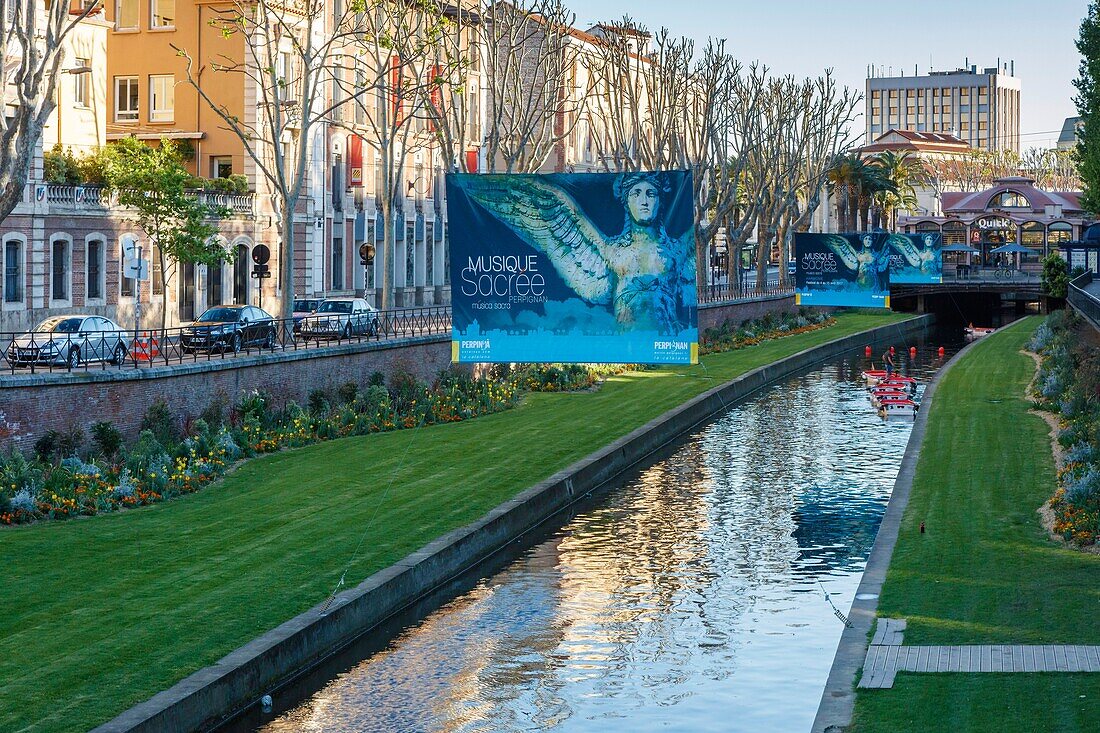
column 286, row 268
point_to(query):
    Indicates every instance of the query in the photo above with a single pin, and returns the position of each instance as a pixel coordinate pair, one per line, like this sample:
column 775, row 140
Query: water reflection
column 692, row 599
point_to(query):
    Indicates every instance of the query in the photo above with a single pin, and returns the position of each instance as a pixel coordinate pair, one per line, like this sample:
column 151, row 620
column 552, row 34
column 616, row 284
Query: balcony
column 97, row 198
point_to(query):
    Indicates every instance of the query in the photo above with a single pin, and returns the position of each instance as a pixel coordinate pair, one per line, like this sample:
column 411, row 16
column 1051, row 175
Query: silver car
column 69, row 341
column 341, row 318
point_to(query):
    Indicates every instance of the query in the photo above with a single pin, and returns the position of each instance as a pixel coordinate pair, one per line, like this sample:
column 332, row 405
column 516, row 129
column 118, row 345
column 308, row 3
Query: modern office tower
column 981, row 108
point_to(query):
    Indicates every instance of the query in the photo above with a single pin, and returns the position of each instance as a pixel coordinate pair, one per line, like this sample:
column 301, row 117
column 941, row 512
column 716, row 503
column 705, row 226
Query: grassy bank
column 101, row 613
column 985, row 571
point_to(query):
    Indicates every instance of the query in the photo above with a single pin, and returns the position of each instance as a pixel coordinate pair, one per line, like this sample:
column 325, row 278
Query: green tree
column 1088, row 106
column 153, row 183
column 903, row 170
column 1055, row 276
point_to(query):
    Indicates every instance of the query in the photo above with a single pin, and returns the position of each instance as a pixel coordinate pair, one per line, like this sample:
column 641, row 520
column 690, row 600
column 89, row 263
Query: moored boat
column 892, row 408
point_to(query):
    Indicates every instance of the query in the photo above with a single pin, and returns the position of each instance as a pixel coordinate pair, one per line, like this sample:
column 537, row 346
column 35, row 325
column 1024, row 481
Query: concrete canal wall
column 238, row 680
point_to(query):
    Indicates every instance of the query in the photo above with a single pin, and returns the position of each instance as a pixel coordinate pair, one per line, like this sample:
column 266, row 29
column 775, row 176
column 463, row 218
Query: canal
column 705, row 593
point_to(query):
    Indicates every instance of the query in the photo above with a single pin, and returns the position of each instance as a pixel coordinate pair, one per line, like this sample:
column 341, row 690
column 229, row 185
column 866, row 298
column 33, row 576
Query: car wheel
column 347, row 332
column 74, row 357
column 119, row 355
column 269, row 340
column 374, row 327
column 237, row 343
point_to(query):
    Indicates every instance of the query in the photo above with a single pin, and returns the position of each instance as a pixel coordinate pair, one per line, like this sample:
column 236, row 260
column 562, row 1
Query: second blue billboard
column 842, row 269
column 916, row 259
column 588, row 267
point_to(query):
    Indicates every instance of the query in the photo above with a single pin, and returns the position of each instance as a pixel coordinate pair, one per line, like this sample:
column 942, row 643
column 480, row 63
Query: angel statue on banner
column 872, row 267
column 643, row 274
column 919, row 258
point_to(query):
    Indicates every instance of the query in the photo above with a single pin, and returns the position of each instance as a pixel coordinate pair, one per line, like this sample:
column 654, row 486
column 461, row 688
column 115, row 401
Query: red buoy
column 912, row 351
column 941, row 351
column 867, row 351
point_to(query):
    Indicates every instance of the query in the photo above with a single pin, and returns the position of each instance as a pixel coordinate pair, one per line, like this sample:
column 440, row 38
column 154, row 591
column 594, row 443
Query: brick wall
column 32, row 404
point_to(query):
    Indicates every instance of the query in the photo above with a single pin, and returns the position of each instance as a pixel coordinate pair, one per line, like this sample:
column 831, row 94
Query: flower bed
column 67, row 477
column 1068, row 384
column 728, row 337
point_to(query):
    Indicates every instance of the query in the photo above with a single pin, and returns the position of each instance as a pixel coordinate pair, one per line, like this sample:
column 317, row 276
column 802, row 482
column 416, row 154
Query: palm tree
column 903, row 170
column 844, row 180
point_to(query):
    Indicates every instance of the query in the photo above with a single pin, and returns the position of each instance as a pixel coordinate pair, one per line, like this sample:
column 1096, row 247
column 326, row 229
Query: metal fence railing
column 720, row 290
column 1083, row 300
column 82, row 350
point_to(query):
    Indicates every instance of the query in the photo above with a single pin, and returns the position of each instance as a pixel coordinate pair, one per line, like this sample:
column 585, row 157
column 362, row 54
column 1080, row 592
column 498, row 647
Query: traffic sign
column 261, row 254
column 366, row 253
column 136, row 269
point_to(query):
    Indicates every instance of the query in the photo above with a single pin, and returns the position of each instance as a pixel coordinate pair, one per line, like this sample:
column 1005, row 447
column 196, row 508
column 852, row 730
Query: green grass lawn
column 985, row 571
column 99, row 614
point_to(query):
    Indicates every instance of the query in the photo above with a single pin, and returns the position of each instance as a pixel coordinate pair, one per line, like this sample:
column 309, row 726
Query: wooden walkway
column 886, row 657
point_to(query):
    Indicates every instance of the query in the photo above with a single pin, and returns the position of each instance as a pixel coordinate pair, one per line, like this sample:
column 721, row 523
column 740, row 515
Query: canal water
column 704, row 594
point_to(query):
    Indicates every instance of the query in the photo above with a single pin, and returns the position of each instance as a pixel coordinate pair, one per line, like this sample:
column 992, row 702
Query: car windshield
column 220, row 314
column 335, row 306
column 59, row 325
column 305, row 305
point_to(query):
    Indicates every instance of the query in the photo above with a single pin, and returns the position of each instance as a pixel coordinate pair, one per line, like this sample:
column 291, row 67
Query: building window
column 156, row 272
column 126, row 99
column 1031, row 234
column 337, row 263
column 13, row 271
column 80, row 83
column 1059, row 232
column 59, row 269
column 162, row 97
column 126, row 15
column 1009, row 200
column 876, row 94
column 221, row 166
column 94, row 264
column 162, row 13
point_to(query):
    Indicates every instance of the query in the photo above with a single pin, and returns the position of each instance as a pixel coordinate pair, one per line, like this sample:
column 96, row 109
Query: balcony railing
column 97, row 197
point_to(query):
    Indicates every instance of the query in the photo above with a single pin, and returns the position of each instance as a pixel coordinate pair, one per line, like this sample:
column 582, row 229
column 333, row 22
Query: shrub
column 24, row 501
column 56, row 443
column 318, row 402
column 60, row 167
column 18, row 473
column 158, row 420
column 214, row 414
column 107, row 439
column 347, row 392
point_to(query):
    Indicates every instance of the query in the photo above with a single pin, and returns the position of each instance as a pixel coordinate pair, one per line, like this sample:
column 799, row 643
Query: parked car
column 70, row 340
column 229, row 328
column 304, row 307
column 341, row 318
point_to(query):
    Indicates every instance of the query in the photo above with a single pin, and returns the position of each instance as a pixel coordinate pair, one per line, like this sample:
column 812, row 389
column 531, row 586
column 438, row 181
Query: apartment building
column 983, row 109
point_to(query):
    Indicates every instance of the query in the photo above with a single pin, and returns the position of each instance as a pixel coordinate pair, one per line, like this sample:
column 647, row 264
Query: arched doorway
column 240, row 275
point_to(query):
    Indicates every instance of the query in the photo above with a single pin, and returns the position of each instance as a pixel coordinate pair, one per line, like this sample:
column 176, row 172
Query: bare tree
column 293, row 60
column 532, row 100
column 32, row 39
column 824, row 123
column 405, row 50
column 642, row 97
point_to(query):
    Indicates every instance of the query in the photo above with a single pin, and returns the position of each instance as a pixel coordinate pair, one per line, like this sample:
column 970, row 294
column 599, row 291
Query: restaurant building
column 1013, row 210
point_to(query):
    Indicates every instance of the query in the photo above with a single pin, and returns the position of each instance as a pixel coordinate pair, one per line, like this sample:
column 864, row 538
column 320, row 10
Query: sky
column 804, row 38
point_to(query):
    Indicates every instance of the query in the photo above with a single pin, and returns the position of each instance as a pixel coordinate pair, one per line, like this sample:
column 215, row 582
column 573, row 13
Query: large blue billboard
column 916, row 259
column 594, row 267
column 842, row 269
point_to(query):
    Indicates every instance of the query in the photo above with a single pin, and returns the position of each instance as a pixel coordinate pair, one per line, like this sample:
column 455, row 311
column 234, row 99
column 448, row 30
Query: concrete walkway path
column 887, row 656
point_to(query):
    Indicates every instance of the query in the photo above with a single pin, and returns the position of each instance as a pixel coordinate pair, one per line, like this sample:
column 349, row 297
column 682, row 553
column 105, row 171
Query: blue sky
column 803, row 38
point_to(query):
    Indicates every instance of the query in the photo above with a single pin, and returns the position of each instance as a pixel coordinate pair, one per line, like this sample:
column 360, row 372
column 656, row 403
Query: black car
column 229, row 328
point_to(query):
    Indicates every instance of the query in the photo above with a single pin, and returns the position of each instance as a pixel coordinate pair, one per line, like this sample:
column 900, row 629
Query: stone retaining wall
column 239, row 679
